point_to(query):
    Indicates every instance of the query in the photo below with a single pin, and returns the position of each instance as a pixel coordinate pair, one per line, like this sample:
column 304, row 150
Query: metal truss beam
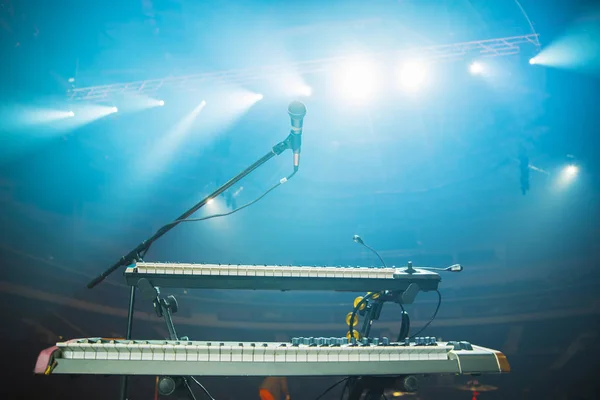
column 447, row 52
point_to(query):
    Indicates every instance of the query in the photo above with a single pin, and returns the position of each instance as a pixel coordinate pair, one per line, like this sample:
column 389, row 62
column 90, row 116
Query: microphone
column 358, row 239
column 297, row 111
column 453, row 268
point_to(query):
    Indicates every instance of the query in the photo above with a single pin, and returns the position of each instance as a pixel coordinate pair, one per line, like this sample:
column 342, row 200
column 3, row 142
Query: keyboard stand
column 130, row 310
column 165, row 308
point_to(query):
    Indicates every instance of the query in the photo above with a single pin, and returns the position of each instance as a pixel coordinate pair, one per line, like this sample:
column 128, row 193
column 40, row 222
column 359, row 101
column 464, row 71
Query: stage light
column 476, row 68
column 304, row 90
column 186, row 123
column 532, row 61
column 571, row 170
column 161, row 103
column 412, row 74
column 567, row 175
column 357, row 79
column 70, row 114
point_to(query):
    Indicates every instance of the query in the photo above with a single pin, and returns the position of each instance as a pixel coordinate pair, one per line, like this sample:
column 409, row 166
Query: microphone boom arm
column 141, row 248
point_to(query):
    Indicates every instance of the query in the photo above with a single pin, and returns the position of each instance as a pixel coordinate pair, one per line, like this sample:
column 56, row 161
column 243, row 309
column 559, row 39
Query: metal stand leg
column 130, row 313
column 123, row 395
column 165, row 307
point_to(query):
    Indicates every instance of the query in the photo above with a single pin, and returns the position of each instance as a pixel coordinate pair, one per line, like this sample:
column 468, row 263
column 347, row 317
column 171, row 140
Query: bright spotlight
column 161, row 103
column 412, row 75
column 532, row 61
column 114, row 109
column 193, row 114
column 305, row 90
column 209, row 201
column 70, row 114
column 358, row 79
column 259, row 97
column 476, row 68
column 571, row 170
column 567, row 175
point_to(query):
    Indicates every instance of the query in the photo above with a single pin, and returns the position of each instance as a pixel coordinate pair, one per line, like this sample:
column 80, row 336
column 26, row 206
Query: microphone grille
column 297, row 109
column 357, row 239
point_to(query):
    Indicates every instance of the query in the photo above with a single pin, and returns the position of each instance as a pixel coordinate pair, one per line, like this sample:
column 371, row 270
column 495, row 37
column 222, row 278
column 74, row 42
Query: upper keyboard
column 272, row 277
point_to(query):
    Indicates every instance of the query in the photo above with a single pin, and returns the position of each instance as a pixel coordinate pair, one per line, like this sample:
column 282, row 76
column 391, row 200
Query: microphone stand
column 139, row 251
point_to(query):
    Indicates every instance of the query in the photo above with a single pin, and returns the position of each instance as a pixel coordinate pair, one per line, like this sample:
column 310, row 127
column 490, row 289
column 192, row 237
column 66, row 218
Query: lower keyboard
column 154, row 357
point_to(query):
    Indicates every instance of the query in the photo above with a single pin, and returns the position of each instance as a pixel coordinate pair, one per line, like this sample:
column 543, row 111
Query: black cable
column 404, row 325
column 331, row 387
column 203, row 388
column 189, row 389
column 178, row 221
column 348, row 380
column 239, row 208
column 432, row 317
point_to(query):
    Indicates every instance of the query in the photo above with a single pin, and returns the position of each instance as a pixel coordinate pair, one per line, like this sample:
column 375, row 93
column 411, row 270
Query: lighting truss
column 446, row 52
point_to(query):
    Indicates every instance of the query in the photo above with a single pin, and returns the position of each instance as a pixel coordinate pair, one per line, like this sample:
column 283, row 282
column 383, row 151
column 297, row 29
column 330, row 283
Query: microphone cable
column 202, row 387
column 330, row 388
column 404, row 325
column 281, row 182
column 376, row 253
column 432, row 317
column 359, row 240
column 178, row 221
